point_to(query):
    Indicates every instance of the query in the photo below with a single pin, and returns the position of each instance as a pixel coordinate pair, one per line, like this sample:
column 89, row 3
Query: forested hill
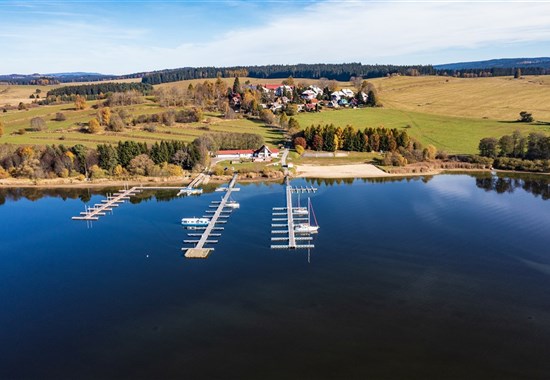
column 46, row 79
column 503, row 63
column 342, row 72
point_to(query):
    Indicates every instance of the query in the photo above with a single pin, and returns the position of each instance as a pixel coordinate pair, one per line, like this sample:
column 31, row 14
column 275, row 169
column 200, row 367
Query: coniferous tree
column 237, row 86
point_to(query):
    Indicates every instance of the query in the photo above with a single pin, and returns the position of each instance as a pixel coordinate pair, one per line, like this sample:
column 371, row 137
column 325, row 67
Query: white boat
column 307, row 228
column 232, row 204
column 195, row 222
column 300, row 210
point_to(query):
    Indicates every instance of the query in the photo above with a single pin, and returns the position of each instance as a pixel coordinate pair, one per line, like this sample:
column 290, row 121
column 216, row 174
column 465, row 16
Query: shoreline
column 302, row 171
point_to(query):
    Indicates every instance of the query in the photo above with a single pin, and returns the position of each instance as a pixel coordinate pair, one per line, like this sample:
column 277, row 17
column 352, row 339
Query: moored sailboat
column 307, row 228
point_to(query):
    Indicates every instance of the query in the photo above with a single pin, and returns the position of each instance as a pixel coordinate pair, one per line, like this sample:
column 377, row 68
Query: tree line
column 330, row 138
column 517, row 152
column 399, row 149
column 94, row 91
column 165, row 158
column 342, row 72
column 492, row 72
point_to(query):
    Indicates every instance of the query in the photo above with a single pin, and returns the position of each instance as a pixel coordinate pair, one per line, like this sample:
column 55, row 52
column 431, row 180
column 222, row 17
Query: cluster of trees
column 536, row 146
column 399, row 148
column 231, row 140
column 208, row 95
column 171, row 116
column 98, row 90
column 517, row 152
column 340, row 72
column 127, row 158
column 330, row 138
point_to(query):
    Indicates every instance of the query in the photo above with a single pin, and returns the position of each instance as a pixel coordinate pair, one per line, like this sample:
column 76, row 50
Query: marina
column 295, row 220
column 221, row 211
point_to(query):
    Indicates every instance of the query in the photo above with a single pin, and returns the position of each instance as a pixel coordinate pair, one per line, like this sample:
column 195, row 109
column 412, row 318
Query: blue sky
column 119, row 37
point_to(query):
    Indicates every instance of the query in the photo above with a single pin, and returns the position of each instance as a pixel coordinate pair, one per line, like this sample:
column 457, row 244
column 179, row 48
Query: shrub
column 299, row 149
column 38, row 124
column 267, row 117
column 60, row 116
column 93, row 126
column 150, row 128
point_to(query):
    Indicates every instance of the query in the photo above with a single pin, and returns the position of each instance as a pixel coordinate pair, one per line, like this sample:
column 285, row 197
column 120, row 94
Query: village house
column 264, row 153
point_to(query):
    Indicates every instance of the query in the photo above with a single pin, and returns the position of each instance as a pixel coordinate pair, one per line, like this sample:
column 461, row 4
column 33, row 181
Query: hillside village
column 312, row 98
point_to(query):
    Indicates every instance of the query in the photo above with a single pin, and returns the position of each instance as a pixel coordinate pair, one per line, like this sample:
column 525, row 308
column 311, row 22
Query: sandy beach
column 340, row 171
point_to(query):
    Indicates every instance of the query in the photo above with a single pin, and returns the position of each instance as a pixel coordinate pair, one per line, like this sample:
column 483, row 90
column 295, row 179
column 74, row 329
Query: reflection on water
column 536, row 185
column 426, row 277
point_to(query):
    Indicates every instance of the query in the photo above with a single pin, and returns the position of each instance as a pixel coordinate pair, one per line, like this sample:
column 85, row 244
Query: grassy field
column 499, row 98
column 451, row 113
column 68, row 132
column 451, row 134
column 13, row 94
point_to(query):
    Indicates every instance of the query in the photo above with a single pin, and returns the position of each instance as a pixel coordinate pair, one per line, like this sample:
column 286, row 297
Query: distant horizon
column 283, row 64
column 141, row 36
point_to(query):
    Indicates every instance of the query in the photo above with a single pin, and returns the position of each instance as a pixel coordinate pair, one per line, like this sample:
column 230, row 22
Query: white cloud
column 379, row 32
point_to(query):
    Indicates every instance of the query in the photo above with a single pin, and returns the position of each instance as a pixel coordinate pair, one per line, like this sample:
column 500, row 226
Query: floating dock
column 99, row 209
column 199, row 251
column 288, row 223
column 191, row 188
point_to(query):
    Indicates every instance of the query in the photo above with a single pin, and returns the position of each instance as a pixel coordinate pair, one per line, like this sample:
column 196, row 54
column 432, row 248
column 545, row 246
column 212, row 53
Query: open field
column 14, row 94
column 451, row 113
column 451, row 134
column 68, row 132
column 499, row 98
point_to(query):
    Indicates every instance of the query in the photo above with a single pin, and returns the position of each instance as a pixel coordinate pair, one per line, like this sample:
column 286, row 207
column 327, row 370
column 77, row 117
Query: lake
column 434, row 277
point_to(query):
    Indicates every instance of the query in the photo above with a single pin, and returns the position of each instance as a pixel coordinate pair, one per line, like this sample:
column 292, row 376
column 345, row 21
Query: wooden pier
column 288, row 223
column 191, row 189
column 99, row 209
column 199, row 252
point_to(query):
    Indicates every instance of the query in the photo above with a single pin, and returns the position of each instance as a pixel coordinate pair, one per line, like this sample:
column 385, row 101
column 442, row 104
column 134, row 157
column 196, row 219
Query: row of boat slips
column 295, row 222
column 93, row 213
column 217, row 214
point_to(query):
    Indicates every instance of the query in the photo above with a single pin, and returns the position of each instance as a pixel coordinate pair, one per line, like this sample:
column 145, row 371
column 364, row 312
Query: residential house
column 263, row 153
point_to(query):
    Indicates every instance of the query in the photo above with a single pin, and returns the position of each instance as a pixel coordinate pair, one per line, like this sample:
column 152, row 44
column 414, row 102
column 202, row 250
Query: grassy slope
column 13, row 94
column 68, row 133
column 452, row 134
column 500, row 98
column 451, row 113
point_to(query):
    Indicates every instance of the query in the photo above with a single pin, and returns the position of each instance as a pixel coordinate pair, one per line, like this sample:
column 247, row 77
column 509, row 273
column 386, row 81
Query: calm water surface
column 441, row 277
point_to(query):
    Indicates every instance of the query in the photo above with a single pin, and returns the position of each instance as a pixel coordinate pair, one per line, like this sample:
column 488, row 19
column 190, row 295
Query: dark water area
column 438, row 277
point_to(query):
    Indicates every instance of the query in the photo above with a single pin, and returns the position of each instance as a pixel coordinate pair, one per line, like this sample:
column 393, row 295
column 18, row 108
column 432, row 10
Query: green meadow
column 448, row 133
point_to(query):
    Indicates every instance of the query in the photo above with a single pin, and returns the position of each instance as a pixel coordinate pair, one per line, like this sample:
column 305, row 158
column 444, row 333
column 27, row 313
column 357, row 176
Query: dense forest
column 92, row 91
column 342, row 72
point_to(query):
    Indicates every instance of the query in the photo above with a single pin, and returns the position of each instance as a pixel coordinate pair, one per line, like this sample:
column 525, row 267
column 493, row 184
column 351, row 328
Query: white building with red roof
column 264, row 153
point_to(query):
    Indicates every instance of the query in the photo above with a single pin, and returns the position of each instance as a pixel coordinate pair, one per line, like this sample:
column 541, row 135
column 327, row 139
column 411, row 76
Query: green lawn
column 451, row 134
column 351, row 158
column 68, row 132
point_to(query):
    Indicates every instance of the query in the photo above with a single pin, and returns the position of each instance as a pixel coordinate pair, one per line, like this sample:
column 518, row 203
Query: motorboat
column 195, row 222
